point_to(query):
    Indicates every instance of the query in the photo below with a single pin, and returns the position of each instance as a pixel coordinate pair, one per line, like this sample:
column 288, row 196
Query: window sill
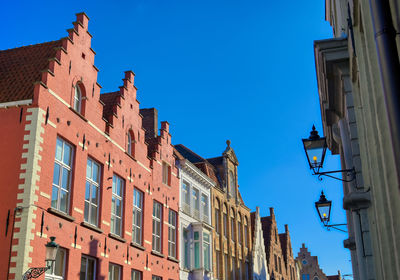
column 172, row 259
column 92, row 227
column 79, row 114
column 140, row 247
column 129, row 155
column 116, row 237
column 61, row 214
column 157, row 254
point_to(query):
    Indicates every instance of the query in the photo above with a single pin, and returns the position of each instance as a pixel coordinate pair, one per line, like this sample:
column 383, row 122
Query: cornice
column 196, row 173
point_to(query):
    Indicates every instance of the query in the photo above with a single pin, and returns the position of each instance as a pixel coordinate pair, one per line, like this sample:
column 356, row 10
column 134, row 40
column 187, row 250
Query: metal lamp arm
column 350, row 172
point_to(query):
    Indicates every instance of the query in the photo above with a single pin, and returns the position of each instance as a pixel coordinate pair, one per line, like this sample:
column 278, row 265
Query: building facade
column 195, row 221
column 259, row 257
column 279, row 253
column 230, row 217
column 310, row 269
column 358, row 86
column 87, row 168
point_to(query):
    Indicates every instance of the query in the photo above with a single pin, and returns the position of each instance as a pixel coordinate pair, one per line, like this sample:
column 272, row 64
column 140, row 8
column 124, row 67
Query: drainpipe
column 385, row 39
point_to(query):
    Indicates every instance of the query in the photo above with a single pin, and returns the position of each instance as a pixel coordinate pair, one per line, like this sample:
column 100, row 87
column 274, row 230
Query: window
column 116, row 205
column 172, row 234
column 233, row 268
column 130, row 145
column 204, row 207
column 88, row 268
column 276, row 263
column 136, row 275
column 137, row 216
column 157, row 217
column 57, row 271
column 280, row 264
column 233, row 229
column 196, row 249
column 247, row 271
column 186, row 252
column 240, row 230
column 246, row 232
column 226, row 266
column 225, row 225
column 217, row 267
column 240, row 272
column 206, row 251
column 92, row 192
column 196, row 202
column 114, row 272
column 217, row 221
column 62, row 176
column 186, row 197
column 77, row 99
column 306, row 277
column 156, row 277
column 166, row 170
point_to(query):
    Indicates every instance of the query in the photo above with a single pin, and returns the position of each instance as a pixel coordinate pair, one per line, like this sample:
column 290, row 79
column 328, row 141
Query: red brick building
column 278, row 248
column 89, row 169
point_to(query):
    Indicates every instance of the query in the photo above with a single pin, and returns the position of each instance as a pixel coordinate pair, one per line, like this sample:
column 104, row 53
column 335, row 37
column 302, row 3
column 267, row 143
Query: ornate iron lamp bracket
column 34, row 272
column 335, row 226
column 350, row 172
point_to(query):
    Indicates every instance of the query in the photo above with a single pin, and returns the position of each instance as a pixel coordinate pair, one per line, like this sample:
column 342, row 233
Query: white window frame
column 116, row 197
column 49, row 275
column 111, row 268
column 87, row 258
column 172, row 221
column 206, row 245
column 186, row 248
column 157, row 223
column 92, row 184
column 135, row 273
column 196, row 202
column 137, row 216
column 204, row 208
column 63, row 166
column 165, row 173
column 77, row 98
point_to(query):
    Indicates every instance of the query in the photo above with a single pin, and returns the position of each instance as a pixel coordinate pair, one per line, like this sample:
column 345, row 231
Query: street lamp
column 323, row 207
column 315, row 148
column 51, row 254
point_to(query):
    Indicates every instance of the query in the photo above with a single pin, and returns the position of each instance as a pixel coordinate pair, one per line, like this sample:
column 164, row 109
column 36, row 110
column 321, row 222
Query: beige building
column 230, row 216
column 358, row 82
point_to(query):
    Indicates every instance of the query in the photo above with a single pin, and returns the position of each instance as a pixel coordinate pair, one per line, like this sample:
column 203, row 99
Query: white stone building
column 260, row 268
column 195, row 235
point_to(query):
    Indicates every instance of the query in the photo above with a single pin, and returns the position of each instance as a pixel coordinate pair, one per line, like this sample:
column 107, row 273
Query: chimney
column 271, row 211
column 150, row 122
column 286, row 228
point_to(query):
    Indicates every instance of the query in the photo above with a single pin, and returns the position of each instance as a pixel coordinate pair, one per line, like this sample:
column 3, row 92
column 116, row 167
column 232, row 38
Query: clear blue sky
column 217, row 70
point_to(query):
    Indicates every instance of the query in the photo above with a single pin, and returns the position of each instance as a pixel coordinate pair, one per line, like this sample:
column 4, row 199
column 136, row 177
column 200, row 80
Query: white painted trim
column 16, row 103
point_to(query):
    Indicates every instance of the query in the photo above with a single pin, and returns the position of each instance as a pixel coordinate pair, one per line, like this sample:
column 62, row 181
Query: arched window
column 130, row 146
column 246, row 232
column 240, row 238
column 217, row 217
column 78, row 98
column 233, row 225
column 225, row 210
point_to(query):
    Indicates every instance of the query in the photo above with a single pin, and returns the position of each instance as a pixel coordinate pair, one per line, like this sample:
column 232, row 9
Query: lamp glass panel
column 315, row 150
column 324, row 211
column 51, row 253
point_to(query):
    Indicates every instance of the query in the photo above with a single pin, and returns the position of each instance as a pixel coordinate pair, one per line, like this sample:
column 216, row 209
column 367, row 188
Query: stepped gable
column 283, row 238
column 266, row 227
column 20, row 68
column 110, row 101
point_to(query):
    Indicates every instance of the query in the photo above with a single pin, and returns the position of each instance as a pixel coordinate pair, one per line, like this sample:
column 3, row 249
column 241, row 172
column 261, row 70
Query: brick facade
column 37, row 112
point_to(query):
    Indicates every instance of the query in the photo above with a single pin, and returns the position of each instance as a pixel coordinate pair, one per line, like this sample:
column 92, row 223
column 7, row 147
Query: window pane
column 63, row 201
column 59, row 149
column 94, row 195
column 59, row 263
column 54, row 197
column 67, row 154
column 93, row 215
column 56, row 174
column 86, row 211
column 65, row 179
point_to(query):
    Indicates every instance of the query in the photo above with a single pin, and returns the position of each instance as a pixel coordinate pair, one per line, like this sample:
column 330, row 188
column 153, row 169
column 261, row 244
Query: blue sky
column 217, row 70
